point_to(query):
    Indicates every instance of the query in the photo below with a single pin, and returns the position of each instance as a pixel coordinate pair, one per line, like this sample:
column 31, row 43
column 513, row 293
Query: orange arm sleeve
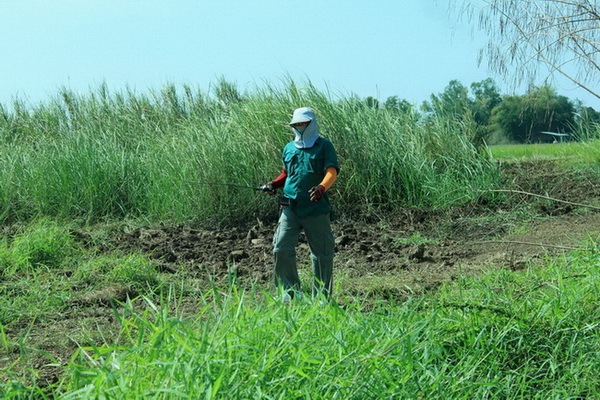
column 330, row 177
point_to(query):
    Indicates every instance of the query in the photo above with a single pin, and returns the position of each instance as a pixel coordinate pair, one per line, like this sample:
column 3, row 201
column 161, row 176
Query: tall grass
column 110, row 155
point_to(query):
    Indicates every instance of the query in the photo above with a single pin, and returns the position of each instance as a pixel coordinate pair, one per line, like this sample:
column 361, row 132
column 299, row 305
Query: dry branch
column 536, row 195
column 527, row 243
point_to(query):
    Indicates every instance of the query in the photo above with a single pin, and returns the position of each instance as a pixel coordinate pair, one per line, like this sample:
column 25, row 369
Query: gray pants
column 321, row 242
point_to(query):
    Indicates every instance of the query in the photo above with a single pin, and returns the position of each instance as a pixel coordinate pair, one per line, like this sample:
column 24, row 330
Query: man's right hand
column 268, row 188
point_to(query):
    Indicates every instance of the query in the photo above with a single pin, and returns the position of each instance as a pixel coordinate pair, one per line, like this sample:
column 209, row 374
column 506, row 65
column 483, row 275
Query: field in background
column 571, row 153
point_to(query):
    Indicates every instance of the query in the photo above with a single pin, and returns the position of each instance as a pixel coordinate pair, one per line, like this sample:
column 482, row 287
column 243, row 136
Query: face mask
column 300, row 128
column 299, row 135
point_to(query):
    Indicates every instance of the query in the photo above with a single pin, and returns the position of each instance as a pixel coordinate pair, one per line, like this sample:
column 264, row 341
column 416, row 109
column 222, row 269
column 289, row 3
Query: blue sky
column 410, row 49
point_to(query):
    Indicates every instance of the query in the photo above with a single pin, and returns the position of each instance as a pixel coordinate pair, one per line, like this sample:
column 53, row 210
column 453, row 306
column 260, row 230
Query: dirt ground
column 410, row 251
column 377, row 256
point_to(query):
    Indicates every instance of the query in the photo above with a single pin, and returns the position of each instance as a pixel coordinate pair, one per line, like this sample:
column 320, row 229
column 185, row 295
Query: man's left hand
column 267, row 188
column 316, row 193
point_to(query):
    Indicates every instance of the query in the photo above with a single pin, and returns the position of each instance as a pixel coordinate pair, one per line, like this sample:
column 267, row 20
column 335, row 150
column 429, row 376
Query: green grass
column 532, row 334
column 572, row 153
column 416, row 238
column 40, row 265
column 43, row 244
column 131, row 269
column 106, row 156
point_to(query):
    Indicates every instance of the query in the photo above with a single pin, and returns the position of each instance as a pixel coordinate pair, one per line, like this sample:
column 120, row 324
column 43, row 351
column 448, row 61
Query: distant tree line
column 504, row 118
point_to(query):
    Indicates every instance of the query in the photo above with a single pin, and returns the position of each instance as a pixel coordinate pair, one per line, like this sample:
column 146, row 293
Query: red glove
column 316, row 193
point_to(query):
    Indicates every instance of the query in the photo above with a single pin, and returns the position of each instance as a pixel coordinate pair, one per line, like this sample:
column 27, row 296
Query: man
column 310, row 167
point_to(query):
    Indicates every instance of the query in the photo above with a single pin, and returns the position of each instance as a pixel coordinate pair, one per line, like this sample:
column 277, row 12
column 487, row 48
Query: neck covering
column 306, row 136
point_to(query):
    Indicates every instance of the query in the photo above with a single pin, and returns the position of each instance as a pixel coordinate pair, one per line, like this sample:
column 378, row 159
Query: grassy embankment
column 532, row 334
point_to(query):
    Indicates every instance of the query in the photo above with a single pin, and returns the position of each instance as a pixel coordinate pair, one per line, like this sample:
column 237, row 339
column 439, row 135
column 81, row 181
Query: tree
column 524, row 118
column 589, row 115
column 455, row 101
column 587, row 122
column 393, row 103
column 372, row 102
column 525, row 35
column 452, row 102
column 487, row 96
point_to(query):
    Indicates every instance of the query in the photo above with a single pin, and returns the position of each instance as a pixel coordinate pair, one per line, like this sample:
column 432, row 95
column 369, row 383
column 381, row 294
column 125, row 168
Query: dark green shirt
column 306, row 169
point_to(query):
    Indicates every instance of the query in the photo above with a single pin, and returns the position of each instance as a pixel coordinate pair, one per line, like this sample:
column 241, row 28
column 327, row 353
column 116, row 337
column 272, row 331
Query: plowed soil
column 410, row 251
